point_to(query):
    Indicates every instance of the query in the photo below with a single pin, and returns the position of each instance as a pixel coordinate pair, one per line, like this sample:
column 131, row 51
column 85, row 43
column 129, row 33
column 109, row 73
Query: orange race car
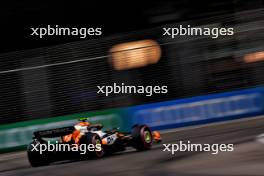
column 85, row 140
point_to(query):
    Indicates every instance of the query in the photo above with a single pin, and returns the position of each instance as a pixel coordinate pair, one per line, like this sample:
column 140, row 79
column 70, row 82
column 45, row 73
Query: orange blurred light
column 135, row 54
column 254, row 57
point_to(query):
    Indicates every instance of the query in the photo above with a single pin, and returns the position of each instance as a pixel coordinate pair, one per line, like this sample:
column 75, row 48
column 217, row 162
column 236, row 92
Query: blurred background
column 51, row 82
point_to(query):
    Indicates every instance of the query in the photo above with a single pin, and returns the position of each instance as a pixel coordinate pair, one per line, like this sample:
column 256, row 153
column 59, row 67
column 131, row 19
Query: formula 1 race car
column 99, row 142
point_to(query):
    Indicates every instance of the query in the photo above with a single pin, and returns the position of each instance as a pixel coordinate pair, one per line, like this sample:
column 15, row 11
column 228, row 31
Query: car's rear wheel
column 35, row 158
column 93, row 138
column 141, row 137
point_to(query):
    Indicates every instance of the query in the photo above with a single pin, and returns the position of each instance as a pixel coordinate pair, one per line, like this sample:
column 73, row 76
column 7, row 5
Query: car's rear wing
column 57, row 132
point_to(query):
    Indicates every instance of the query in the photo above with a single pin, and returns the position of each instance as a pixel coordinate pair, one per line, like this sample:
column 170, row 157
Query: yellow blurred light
column 254, row 57
column 135, row 54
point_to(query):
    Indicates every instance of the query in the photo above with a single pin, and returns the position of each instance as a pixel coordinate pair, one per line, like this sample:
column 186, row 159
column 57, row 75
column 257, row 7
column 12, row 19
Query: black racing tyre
column 141, row 137
column 34, row 157
column 93, row 138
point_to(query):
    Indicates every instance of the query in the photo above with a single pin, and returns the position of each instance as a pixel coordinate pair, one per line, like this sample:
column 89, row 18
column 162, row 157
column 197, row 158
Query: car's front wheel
column 141, row 137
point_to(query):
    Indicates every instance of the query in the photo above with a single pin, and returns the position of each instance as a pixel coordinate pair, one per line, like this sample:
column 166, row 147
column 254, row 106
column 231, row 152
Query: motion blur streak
column 135, row 54
column 254, row 57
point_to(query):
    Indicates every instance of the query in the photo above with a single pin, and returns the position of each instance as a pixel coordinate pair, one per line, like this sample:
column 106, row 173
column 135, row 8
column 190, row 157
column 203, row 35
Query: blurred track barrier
column 163, row 115
column 202, row 109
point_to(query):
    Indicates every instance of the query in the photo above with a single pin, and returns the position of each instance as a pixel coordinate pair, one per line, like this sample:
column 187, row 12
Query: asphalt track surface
column 246, row 159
